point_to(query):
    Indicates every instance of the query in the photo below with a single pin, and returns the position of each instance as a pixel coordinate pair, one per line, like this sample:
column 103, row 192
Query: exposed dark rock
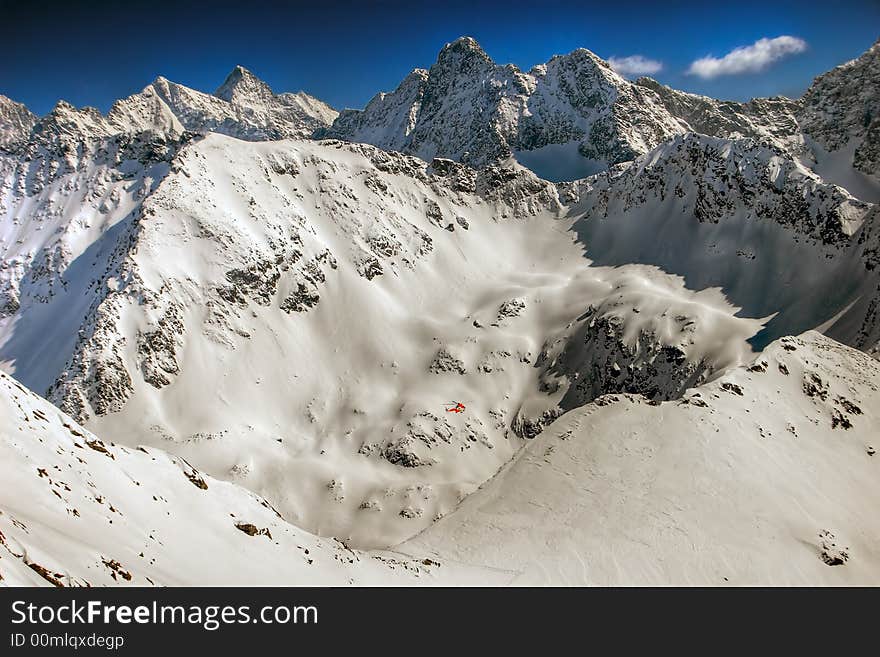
column 445, row 362
column 157, row 349
column 302, row 300
column 252, row 530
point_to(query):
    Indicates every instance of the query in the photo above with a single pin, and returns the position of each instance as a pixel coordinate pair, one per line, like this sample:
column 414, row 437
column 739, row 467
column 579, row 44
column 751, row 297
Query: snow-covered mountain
column 304, row 242
column 574, row 115
column 837, row 113
column 470, row 109
column 243, row 107
column 298, row 318
column 773, row 120
column 70, row 176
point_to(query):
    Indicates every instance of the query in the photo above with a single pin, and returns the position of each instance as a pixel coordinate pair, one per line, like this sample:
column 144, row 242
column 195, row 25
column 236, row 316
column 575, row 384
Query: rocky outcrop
column 157, row 348
column 600, row 360
column 842, row 106
column 96, row 380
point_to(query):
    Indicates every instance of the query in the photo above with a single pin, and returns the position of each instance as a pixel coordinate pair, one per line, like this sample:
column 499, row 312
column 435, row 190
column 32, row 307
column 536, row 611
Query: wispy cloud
column 635, row 65
column 748, row 59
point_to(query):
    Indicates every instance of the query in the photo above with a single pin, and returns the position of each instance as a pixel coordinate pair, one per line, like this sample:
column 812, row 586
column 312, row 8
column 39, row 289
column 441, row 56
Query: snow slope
column 763, row 477
column 76, row 510
column 338, row 298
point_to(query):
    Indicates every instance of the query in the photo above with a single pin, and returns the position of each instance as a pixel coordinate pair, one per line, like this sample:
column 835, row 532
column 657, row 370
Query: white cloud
column 748, row 59
column 635, row 65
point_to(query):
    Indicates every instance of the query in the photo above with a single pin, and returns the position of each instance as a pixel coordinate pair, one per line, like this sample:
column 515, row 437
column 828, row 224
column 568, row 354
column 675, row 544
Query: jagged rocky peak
column 145, row 112
column 581, row 98
column 286, row 114
column 241, row 83
column 464, row 73
column 410, row 90
column 580, row 74
column 462, row 54
column 16, row 123
column 82, row 134
column 842, row 108
column 165, row 88
column 582, row 57
column 576, row 108
column 470, row 109
column 67, row 121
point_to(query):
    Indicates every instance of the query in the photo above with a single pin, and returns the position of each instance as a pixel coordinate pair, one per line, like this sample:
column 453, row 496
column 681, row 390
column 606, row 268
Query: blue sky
column 344, row 52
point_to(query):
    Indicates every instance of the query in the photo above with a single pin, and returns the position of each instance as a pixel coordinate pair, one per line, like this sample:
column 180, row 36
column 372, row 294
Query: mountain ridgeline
column 467, row 108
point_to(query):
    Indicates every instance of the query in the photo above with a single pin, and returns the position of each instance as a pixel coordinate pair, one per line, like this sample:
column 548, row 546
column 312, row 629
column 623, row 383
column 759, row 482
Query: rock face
column 842, row 106
column 469, row 109
column 388, row 119
column 770, row 120
column 716, row 178
column 243, row 107
column 604, row 363
column 16, row 123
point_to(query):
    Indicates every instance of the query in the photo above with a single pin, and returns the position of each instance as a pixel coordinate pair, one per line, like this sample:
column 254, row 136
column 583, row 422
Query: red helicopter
column 455, row 407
